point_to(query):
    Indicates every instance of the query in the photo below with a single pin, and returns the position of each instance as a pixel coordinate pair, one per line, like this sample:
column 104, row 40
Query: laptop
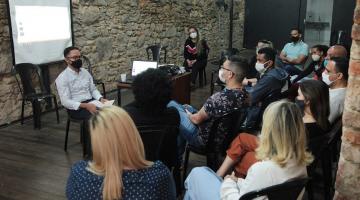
column 140, row 66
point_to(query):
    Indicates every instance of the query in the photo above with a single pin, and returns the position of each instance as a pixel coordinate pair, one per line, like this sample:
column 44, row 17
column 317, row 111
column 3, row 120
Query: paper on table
column 98, row 104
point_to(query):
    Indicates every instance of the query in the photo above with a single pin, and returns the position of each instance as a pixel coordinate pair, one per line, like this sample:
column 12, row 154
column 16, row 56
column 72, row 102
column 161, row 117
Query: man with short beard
column 294, row 53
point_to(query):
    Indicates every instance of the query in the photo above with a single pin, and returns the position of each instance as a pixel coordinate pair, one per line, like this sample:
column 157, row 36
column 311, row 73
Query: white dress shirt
column 336, row 100
column 261, row 175
column 74, row 87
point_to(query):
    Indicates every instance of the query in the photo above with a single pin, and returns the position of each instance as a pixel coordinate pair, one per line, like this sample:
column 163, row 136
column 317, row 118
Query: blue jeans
column 292, row 70
column 188, row 131
column 202, row 183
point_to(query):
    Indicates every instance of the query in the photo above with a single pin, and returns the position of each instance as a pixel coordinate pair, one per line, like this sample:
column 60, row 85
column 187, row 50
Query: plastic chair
column 87, row 64
column 156, row 51
column 290, row 190
column 160, row 143
column 33, row 90
column 223, row 131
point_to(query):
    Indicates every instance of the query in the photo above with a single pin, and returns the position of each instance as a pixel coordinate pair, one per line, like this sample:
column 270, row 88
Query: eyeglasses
column 226, row 69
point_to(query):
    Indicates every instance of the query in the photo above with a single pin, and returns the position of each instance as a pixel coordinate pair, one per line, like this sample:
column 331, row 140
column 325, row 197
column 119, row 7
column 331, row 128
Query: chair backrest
column 289, row 190
column 160, row 143
column 156, row 51
column 223, row 131
column 86, row 64
column 30, row 78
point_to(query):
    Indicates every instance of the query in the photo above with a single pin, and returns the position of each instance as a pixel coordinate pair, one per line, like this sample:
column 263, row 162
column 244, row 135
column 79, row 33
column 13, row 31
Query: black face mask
column 294, row 39
column 300, row 104
column 77, row 63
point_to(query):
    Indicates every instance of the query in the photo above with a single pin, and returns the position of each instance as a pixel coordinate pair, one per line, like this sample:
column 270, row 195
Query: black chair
column 82, row 132
column 32, row 90
column 290, row 190
column 160, row 143
column 323, row 148
column 222, row 133
column 156, row 52
column 87, row 64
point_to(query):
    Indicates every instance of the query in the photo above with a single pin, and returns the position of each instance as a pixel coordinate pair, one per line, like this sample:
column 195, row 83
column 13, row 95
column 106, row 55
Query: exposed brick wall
column 348, row 175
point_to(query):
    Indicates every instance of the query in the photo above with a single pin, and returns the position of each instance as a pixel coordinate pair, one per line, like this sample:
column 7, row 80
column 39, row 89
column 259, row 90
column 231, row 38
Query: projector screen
column 40, row 29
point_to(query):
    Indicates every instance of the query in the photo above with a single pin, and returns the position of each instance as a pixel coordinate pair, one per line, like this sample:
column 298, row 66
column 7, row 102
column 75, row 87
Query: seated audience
column 268, row 87
column 336, row 51
column 252, row 76
column 281, row 151
column 76, row 89
column 152, row 91
column 294, row 53
column 313, row 101
column 195, row 125
column 118, row 169
column 195, row 54
column 272, row 79
column 335, row 76
column 318, row 55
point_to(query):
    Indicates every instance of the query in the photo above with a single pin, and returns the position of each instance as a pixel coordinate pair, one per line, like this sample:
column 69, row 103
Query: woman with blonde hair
column 281, row 153
column 118, row 169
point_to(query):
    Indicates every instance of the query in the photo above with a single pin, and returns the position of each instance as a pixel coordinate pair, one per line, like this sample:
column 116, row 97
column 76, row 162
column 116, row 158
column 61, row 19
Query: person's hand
column 193, row 61
column 188, row 112
column 103, row 100
column 91, row 108
column 189, row 62
column 232, row 176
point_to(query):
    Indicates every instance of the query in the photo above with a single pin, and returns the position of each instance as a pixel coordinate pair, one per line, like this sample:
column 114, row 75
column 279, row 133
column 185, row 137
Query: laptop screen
column 140, row 66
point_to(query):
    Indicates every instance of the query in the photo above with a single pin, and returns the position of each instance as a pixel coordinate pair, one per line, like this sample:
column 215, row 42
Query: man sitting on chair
column 195, row 125
column 76, row 89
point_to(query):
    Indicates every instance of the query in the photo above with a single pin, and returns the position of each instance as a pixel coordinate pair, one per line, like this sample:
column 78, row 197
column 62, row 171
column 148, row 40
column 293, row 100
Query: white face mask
column 260, row 67
column 193, row 35
column 221, row 75
column 326, row 79
column 315, row 57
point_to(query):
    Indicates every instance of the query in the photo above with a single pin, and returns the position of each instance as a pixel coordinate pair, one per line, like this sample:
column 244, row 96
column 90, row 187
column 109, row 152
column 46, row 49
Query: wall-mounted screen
column 40, row 29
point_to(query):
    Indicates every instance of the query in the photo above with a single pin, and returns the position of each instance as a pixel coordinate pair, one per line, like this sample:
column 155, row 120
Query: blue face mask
column 326, row 61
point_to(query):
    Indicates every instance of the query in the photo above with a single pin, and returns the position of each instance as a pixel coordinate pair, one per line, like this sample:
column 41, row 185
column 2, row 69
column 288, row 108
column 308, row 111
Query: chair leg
column 22, row 111
column 186, row 161
column 103, row 88
column 36, row 113
column 66, row 134
column 56, row 110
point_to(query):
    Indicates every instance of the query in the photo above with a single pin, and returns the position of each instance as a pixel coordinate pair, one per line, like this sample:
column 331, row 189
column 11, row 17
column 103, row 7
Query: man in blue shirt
column 294, row 54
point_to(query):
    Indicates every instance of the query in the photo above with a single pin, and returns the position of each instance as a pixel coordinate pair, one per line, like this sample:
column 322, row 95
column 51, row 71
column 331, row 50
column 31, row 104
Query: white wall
column 318, row 11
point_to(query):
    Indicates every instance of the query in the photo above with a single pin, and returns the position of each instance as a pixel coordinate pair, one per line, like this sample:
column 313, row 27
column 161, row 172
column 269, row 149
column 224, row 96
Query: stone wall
column 112, row 33
column 348, row 175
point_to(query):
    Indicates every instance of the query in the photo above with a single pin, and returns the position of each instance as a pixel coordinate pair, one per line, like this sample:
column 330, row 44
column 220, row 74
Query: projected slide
column 41, row 29
column 36, row 23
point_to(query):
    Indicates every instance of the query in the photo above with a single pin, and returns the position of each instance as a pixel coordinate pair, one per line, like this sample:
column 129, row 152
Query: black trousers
column 85, row 115
column 197, row 67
